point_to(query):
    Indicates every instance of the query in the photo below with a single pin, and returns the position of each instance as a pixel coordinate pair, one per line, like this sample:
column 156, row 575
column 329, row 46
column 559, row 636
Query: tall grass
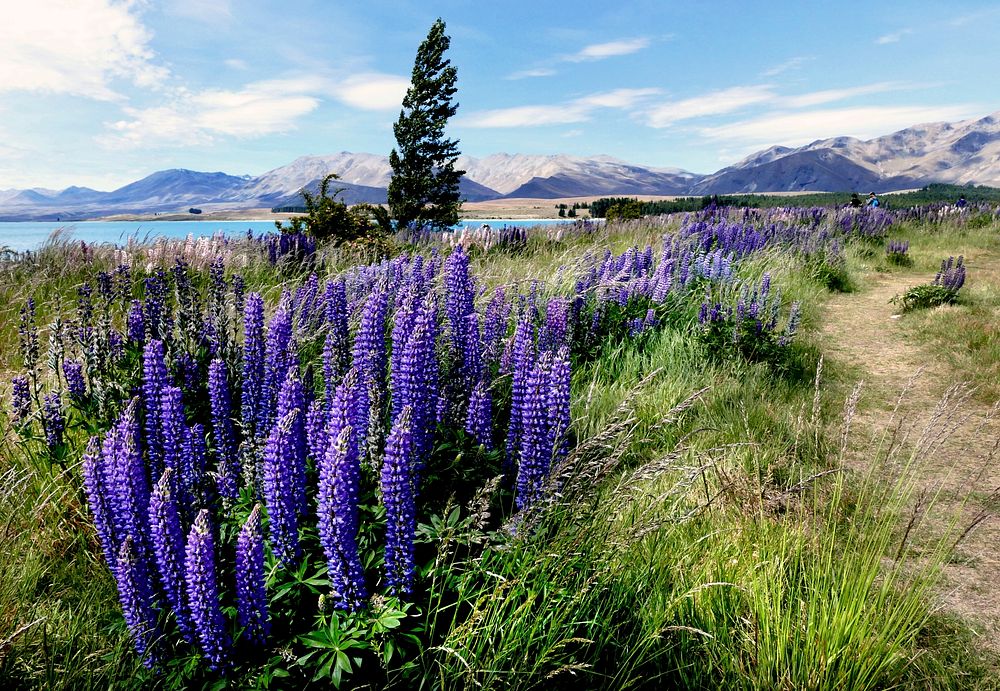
column 707, row 532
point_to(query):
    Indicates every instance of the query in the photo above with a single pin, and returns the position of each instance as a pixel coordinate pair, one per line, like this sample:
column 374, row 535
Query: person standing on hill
column 872, row 200
column 855, row 200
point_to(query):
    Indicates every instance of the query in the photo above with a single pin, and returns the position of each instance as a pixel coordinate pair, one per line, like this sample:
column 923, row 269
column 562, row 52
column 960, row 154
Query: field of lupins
column 297, row 467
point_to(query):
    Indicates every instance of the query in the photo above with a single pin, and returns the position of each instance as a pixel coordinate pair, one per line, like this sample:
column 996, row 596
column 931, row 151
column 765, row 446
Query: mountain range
column 966, row 152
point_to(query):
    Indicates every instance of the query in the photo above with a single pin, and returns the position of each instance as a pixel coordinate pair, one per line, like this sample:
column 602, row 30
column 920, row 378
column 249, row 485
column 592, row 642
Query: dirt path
column 860, row 330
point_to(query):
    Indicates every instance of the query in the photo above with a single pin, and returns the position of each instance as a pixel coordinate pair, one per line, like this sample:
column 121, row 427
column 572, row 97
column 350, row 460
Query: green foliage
column 623, row 210
column 981, row 220
column 330, row 220
column 829, row 269
column 931, row 194
column 424, row 184
column 924, row 296
column 901, row 259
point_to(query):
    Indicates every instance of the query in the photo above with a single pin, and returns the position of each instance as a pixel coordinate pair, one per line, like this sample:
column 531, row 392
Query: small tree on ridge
column 424, row 185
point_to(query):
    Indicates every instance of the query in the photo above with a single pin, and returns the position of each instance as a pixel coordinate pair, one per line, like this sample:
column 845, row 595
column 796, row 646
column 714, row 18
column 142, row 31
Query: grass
column 714, row 541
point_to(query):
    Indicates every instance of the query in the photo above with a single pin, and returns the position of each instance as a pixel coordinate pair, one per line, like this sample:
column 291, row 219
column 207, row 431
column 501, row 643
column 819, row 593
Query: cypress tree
column 424, row 185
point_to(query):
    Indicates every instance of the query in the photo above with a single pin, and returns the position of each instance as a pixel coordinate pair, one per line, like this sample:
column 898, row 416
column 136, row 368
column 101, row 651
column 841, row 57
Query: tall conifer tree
column 424, row 185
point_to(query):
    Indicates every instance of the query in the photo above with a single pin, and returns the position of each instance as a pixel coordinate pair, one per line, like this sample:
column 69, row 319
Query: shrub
column 896, row 253
column 943, row 291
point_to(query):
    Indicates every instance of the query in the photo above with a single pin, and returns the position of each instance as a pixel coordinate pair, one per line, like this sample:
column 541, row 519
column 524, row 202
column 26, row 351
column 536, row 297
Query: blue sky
column 102, row 92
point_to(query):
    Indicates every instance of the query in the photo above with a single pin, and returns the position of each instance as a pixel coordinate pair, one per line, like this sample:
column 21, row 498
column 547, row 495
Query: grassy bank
column 710, row 527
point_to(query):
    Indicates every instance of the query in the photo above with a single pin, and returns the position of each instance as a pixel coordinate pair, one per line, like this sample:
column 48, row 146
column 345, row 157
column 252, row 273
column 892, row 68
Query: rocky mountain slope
column 959, row 153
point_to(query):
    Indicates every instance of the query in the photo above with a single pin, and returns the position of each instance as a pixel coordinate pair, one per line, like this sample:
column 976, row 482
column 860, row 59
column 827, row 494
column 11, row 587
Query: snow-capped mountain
column 961, row 152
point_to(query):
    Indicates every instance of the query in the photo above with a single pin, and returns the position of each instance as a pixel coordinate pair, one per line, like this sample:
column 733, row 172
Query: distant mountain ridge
column 960, row 153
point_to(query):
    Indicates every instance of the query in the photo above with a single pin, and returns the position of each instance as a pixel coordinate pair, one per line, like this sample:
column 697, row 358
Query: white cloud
column 974, row 17
column 790, row 64
column 831, row 95
column 372, row 91
column 258, row 109
column 713, row 103
column 527, row 74
column 527, row 116
column 600, row 51
column 236, row 64
column 577, row 110
column 796, row 129
column 619, row 98
column 75, row 47
column 893, row 37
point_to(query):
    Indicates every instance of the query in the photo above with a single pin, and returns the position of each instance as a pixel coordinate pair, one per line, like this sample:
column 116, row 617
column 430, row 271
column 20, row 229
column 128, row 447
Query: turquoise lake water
column 29, row 235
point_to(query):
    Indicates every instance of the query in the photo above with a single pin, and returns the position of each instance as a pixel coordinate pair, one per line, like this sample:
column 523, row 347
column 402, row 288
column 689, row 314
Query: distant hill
column 965, row 152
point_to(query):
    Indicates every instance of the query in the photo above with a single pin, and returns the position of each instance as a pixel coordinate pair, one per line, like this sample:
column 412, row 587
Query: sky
column 99, row 93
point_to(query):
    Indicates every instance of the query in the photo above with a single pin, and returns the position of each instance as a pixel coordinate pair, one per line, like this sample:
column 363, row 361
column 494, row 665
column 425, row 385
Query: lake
column 29, row 235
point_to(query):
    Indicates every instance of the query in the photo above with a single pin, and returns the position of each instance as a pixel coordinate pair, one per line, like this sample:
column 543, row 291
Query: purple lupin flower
column 167, row 539
column 337, row 500
column 479, row 419
column 253, row 365
column 495, row 326
column 224, row 437
column 76, row 387
column 135, row 323
column 203, row 592
column 136, row 596
column 463, row 324
column 536, row 452
column 415, row 384
column 316, row 420
column 126, row 482
column 95, row 486
column 154, row 379
column 556, row 333
column 173, row 429
column 558, row 405
column 280, row 486
column 20, row 399
column 53, row 420
column 280, row 358
column 400, row 509
column 251, row 594
column 522, row 356
column 369, row 359
column 157, row 320
column 292, row 397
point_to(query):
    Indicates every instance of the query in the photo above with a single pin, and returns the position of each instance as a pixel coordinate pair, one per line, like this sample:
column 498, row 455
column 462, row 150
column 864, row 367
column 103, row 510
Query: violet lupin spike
column 154, row 380
column 337, row 500
column 558, row 404
column 53, row 420
column 203, row 592
column 479, row 418
column 224, row 436
column 280, row 358
column 167, row 539
column 521, row 366
column 20, row 399
column 136, row 598
column 253, row 364
column 397, row 485
column 96, row 489
column 536, row 451
column 127, row 482
column 281, row 470
column 251, row 593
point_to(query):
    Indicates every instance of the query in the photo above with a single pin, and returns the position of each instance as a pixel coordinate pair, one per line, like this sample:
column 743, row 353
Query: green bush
column 921, row 297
